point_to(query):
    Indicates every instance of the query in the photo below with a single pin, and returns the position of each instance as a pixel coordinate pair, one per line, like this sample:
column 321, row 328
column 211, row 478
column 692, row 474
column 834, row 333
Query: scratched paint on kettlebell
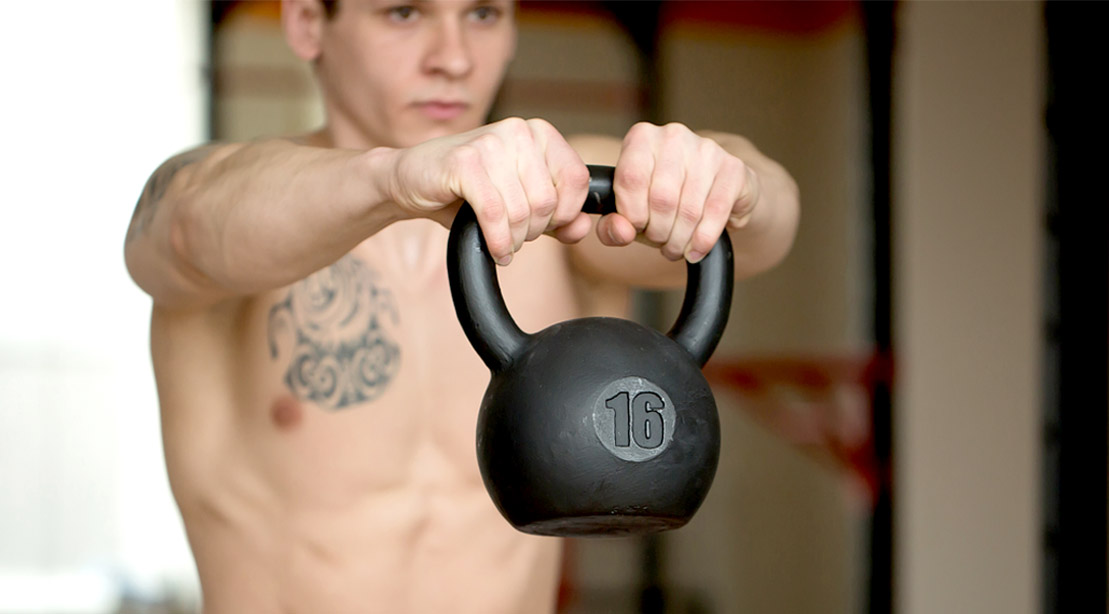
column 634, row 419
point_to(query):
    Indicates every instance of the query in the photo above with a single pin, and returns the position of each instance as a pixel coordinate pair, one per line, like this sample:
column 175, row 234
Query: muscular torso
column 320, row 438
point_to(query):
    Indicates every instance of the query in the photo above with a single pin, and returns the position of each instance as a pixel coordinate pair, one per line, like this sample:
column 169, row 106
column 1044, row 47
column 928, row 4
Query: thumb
column 615, row 229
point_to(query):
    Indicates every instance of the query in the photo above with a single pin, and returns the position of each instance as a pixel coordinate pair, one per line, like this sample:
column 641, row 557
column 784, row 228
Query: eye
column 485, row 14
column 402, row 14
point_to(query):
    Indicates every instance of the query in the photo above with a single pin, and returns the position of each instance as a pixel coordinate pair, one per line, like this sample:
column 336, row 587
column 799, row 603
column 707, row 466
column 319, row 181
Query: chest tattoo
column 339, row 321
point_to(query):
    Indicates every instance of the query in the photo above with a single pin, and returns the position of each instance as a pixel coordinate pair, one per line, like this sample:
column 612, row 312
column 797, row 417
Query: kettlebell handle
column 495, row 336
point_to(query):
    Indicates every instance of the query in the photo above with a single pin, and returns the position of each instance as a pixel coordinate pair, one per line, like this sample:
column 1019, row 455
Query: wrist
column 379, row 166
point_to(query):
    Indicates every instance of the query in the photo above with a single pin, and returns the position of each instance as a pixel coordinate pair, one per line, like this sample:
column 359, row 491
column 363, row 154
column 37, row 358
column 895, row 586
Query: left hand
column 677, row 191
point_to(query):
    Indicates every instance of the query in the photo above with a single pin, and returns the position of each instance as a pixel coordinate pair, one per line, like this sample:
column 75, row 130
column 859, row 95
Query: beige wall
column 781, row 532
column 968, row 218
column 262, row 89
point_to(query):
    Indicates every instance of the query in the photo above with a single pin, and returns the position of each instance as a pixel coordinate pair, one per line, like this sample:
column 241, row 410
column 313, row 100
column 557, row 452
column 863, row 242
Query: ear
column 302, row 21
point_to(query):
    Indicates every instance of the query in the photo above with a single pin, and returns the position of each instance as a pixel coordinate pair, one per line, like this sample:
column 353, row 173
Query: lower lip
column 440, row 111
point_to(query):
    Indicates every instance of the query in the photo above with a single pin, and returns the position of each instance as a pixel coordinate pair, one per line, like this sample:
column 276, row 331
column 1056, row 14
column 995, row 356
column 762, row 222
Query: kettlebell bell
column 593, row 426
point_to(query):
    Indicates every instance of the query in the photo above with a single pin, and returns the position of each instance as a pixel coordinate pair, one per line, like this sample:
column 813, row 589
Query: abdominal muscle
column 301, row 503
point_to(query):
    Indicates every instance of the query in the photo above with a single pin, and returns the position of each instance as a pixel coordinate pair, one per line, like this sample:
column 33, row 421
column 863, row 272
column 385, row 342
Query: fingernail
column 695, row 256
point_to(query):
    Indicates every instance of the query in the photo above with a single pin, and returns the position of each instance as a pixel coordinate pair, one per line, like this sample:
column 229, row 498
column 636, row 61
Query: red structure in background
column 771, row 16
column 822, row 405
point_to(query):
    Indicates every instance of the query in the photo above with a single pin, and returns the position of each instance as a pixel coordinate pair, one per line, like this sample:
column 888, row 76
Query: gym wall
column 969, row 204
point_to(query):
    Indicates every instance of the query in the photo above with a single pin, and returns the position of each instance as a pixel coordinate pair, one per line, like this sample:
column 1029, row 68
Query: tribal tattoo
column 156, row 187
column 342, row 354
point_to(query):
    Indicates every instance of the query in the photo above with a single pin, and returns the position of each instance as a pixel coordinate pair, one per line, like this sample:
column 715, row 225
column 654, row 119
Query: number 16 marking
column 638, row 419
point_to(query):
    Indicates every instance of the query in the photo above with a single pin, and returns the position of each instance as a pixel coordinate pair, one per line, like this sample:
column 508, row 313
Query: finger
column 717, row 208
column 569, row 173
column 575, row 230
column 691, row 209
column 489, row 207
column 632, row 180
column 501, row 163
column 728, row 186
column 664, row 194
column 749, row 193
column 517, row 208
column 538, row 186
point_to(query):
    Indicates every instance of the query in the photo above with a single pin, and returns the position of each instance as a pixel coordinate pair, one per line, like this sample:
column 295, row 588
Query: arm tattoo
column 342, row 353
column 156, row 187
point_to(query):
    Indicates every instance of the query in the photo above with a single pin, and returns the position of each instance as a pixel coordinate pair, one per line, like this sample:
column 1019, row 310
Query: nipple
column 286, row 413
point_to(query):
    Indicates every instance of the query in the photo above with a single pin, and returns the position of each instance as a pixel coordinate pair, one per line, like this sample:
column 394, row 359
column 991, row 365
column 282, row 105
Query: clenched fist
column 520, row 176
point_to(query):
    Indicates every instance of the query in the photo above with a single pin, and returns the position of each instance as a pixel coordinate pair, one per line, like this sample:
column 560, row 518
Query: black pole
column 1076, row 397
column 878, row 19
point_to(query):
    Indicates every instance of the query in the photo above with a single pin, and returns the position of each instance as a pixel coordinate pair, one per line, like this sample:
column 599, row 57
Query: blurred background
column 914, row 404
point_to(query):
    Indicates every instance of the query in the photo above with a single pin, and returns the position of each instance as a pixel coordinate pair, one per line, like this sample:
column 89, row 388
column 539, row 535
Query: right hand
column 520, row 176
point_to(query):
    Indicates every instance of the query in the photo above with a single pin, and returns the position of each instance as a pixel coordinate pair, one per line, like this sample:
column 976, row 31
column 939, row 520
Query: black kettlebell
column 593, row 426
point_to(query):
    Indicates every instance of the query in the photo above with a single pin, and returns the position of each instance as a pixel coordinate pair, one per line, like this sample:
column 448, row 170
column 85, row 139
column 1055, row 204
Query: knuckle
column 487, row 143
column 703, row 240
column 464, row 157
column 538, row 124
column 717, row 207
column 491, row 210
column 546, row 202
column 689, row 213
column 657, row 233
column 711, row 151
column 632, row 179
column 562, row 216
column 639, row 130
column 499, row 245
column 517, row 127
column 512, row 123
column 662, row 200
column 637, row 220
column 735, row 166
column 674, row 130
column 672, row 251
column 575, row 176
column 518, row 216
column 637, row 216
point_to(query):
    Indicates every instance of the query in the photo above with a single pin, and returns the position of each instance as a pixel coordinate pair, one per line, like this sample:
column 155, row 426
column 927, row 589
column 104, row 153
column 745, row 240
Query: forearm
column 243, row 218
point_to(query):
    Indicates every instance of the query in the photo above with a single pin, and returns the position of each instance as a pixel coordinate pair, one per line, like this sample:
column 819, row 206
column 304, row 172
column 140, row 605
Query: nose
column 449, row 51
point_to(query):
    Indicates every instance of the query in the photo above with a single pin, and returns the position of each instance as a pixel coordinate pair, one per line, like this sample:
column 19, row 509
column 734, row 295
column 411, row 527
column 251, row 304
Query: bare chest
column 362, row 373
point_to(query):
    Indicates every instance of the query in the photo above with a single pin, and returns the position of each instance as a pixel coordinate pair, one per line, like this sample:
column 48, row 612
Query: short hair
column 330, row 7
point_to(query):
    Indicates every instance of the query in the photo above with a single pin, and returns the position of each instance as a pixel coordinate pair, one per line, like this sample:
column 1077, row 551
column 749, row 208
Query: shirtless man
column 318, row 396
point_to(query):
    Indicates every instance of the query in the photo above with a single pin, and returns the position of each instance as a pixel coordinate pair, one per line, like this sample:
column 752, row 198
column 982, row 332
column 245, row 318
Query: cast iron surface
column 593, row 426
